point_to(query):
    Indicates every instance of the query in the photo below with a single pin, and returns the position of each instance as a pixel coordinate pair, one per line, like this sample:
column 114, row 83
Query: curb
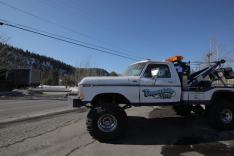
column 32, row 117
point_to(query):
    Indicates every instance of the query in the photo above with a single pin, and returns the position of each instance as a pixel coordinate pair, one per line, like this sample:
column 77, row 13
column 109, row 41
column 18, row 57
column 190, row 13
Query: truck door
column 159, row 86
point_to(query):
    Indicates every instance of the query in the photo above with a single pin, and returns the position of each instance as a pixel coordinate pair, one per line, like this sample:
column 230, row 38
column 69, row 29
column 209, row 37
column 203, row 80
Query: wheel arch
column 114, row 98
column 222, row 94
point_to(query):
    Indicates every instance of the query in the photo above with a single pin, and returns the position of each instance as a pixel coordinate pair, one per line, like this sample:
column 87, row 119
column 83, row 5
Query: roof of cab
column 150, row 61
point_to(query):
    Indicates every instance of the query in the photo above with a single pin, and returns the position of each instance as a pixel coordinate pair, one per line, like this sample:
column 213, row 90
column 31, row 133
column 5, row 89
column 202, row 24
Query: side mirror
column 154, row 73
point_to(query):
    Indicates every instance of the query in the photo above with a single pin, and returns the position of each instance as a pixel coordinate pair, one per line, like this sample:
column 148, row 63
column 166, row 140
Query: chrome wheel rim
column 107, row 123
column 226, row 116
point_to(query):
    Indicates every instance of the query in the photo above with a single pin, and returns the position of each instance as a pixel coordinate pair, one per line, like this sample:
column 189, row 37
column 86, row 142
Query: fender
column 109, row 97
column 226, row 94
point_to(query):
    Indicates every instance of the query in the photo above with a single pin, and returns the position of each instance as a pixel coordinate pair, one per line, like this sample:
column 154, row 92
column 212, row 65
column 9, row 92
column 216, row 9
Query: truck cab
column 158, row 83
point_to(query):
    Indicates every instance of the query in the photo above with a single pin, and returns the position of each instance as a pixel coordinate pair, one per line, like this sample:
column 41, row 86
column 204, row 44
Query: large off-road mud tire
column 221, row 115
column 106, row 123
column 182, row 110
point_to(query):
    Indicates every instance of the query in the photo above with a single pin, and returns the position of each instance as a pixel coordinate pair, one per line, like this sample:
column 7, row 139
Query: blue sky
column 154, row 29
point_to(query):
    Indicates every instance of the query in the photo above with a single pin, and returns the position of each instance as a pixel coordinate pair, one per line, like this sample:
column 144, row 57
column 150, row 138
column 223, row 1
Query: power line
column 65, row 28
column 65, row 5
column 64, row 40
column 67, row 38
column 42, row 19
column 74, row 10
column 90, row 44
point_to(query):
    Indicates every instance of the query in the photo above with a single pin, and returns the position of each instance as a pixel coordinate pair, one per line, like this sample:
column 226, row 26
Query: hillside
column 52, row 70
column 11, row 57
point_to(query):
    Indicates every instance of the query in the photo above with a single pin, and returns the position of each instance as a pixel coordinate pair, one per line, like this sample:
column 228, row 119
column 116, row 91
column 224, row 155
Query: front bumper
column 79, row 103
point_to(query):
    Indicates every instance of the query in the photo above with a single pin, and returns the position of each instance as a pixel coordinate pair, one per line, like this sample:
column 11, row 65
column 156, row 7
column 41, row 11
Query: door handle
column 134, row 81
column 170, row 81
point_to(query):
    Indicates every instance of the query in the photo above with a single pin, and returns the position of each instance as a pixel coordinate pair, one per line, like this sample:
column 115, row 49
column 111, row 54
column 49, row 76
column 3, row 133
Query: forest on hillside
column 53, row 72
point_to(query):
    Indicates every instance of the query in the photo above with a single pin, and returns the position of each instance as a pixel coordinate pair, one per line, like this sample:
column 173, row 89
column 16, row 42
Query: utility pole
column 217, row 52
column 211, row 50
column 209, row 57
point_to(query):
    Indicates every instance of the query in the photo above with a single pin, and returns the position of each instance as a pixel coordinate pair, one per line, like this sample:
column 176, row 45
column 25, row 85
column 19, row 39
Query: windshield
column 135, row 69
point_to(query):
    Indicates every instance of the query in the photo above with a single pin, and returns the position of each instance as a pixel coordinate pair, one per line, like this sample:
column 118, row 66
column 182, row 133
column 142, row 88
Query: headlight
column 81, row 95
column 80, row 92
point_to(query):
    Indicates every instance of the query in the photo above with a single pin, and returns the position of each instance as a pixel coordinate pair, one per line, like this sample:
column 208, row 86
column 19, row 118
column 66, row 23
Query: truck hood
column 108, row 80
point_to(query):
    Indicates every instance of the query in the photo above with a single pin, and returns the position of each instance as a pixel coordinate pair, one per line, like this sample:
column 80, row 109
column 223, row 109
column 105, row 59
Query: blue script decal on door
column 165, row 93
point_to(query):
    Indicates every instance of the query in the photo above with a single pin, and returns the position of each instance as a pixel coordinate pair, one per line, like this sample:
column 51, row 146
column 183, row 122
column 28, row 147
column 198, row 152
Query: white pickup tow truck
column 150, row 83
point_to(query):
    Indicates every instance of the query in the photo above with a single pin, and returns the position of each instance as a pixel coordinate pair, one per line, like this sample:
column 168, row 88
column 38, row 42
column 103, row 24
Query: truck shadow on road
column 164, row 127
column 178, row 135
column 171, row 131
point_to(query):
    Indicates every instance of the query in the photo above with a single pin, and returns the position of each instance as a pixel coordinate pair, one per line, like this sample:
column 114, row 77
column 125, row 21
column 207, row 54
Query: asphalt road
column 152, row 131
column 10, row 109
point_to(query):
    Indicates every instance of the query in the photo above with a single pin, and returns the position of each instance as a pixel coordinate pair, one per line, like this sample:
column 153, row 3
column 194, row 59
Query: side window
column 157, row 70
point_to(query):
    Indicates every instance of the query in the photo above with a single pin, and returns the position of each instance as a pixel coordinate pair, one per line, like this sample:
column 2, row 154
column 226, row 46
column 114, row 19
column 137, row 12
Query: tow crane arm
column 205, row 72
